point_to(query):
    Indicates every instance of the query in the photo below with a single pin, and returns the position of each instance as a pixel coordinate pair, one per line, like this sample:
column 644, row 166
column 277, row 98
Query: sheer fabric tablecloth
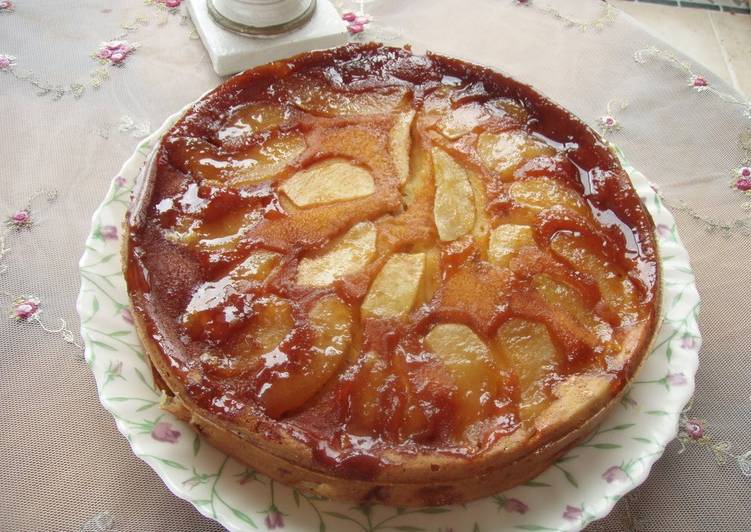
column 82, row 81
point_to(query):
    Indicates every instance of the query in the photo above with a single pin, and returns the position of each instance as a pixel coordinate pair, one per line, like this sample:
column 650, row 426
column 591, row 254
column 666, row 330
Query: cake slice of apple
column 325, row 101
column 400, row 143
column 393, row 292
column 454, row 205
column 328, row 181
column 470, row 363
column 250, row 119
column 528, row 348
column 286, row 384
column 506, row 239
column 349, row 254
column 264, row 162
column 543, row 193
column 502, row 152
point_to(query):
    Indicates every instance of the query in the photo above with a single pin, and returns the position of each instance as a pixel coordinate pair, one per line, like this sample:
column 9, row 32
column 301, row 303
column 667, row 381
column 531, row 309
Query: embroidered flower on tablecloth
column 609, row 123
column 743, row 179
column 6, row 6
column 698, row 82
column 172, row 4
column 115, row 52
column 25, row 308
column 355, row 23
column 20, row 219
column 163, row 431
column 7, row 62
column 694, row 428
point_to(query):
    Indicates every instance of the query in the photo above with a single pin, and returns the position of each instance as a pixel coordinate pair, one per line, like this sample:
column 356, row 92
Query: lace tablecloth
column 82, row 81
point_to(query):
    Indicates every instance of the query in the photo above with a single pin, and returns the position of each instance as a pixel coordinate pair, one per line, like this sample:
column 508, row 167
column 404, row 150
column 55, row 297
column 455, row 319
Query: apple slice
column 400, row 143
column 616, row 289
column 325, row 101
column 502, row 152
column 528, row 348
column 328, row 181
column 249, row 119
column 506, row 239
column 288, row 384
column 460, row 121
column 469, row 361
column 257, row 266
column 350, row 254
column 394, row 290
column 264, row 162
column 454, row 206
column 542, row 193
column 565, row 301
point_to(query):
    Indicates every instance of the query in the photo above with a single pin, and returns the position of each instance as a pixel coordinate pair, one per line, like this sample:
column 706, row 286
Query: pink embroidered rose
column 115, row 52
column 163, row 431
column 127, row 315
column 676, row 379
column 20, row 219
column 108, row 232
column 274, row 519
column 608, row 121
column 6, row 5
column 744, row 178
column 7, row 62
column 699, row 82
column 355, row 23
column 26, row 308
column 613, row 474
column 515, row 506
column 572, row 513
column 694, row 428
column 172, row 3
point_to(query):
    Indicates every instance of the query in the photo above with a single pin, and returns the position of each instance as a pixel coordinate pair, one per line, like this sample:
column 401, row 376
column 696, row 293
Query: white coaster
column 231, row 53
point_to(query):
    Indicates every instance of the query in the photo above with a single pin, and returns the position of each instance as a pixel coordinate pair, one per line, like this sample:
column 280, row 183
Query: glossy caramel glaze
column 372, row 251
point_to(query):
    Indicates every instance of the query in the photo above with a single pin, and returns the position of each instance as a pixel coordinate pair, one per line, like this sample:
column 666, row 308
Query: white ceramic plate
column 581, row 487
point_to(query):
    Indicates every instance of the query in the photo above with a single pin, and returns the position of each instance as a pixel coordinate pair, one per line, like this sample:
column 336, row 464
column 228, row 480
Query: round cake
column 385, row 277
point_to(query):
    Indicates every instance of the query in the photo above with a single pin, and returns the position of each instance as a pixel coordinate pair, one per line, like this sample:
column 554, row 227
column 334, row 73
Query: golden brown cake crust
column 555, row 221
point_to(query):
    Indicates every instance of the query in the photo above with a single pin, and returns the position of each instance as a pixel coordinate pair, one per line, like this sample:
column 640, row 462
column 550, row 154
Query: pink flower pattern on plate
column 163, row 431
column 615, row 474
column 572, row 513
column 108, row 232
column 274, row 519
column 676, row 379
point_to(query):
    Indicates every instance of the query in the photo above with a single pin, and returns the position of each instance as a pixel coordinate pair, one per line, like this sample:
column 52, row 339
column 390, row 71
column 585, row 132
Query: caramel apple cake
column 380, row 276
